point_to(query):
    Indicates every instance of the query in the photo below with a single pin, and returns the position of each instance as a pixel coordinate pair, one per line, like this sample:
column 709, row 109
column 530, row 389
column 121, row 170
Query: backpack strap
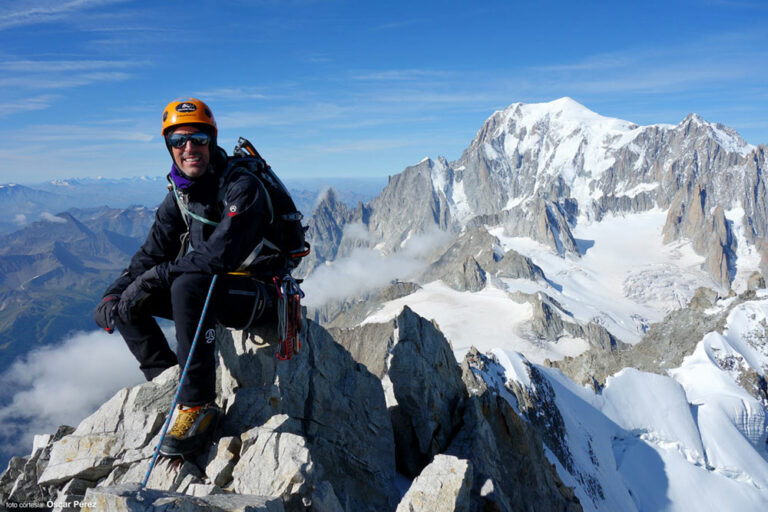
column 186, row 211
column 227, row 176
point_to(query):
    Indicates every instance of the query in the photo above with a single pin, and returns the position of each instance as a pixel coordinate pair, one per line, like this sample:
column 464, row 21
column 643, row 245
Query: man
column 207, row 225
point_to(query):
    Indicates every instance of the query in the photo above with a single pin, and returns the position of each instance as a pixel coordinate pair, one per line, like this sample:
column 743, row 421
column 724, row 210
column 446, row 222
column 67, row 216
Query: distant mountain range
column 53, row 271
column 21, row 205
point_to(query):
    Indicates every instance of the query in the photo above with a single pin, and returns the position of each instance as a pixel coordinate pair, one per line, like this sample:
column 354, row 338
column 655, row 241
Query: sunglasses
column 179, row 140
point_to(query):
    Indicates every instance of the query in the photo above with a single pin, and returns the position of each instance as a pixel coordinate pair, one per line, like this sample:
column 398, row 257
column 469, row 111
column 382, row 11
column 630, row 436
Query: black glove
column 137, row 292
column 104, row 315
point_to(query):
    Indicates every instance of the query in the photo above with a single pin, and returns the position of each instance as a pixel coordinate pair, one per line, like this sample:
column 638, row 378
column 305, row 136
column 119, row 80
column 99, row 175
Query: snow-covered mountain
column 540, row 170
column 625, row 257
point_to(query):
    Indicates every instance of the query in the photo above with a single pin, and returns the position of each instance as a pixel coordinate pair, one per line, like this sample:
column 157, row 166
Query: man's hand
column 137, row 292
column 104, row 315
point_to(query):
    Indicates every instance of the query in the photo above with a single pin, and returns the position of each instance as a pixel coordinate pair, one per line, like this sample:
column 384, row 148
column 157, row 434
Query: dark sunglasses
column 179, row 140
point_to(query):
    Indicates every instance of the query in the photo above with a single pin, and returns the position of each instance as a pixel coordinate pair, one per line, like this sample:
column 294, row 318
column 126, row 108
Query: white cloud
column 61, row 385
column 30, row 12
column 20, row 219
column 29, row 104
column 44, row 81
column 283, row 116
column 230, row 93
column 52, row 218
column 366, row 270
column 51, row 66
column 403, row 75
column 356, row 231
column 323, row 195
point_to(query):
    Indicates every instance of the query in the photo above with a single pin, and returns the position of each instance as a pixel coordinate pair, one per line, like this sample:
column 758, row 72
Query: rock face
column 443, row 485
column 314, row 430
column 329, row 231
column 510, row 470
column 474, row 258
column 409, row 206
column 322, row 432
column 421, row 380
column 351, row 312
column 694, row 217
column 446, row 411
column 130, row 498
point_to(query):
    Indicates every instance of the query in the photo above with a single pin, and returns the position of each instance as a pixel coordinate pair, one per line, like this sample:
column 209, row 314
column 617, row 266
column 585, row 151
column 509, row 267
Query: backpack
column 285, row 245
column 282, row 249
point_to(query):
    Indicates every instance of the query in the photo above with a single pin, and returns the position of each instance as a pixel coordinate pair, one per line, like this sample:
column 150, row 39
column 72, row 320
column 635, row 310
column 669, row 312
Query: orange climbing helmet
column 187, row 111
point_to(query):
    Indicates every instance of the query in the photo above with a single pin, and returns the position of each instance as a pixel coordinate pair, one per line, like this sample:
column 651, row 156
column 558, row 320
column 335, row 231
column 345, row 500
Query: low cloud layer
column 52, row 218
column 365, row 270
column 61, row 385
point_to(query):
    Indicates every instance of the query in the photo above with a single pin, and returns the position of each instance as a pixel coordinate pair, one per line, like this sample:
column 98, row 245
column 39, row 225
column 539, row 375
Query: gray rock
column 756, row 281
column 422, row 380
column 547, row 321
column 466, row 264
column 443, row 485
column 369, row 344
column 128, row 498
column 693, row 216
column 409, row 206
column 350, row 312
column 167, row 475
column 225, row 456
column 516, row 266
column 510, row 469
column 703, row 298
column 73, row 492
column 543, row 221
column 550, row 322
column 19, row 483
column 326, row 231
column 428, row 389
column 119, row 433
column 275, row 461
column 338, row 404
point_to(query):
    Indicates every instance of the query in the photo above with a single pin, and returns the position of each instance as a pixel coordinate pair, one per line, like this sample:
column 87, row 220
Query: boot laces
column 184, row 420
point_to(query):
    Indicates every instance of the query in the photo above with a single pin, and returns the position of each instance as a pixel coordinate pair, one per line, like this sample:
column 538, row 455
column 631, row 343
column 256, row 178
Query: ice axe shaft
column 181, row 381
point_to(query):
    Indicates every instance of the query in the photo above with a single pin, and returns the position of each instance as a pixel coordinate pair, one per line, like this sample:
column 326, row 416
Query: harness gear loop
column 289, row 296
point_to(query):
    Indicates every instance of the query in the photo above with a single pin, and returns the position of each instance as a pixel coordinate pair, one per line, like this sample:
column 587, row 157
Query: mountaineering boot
column 192, row 430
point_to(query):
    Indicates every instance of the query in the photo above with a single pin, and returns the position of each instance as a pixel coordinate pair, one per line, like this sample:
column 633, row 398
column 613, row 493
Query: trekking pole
column 181, row 381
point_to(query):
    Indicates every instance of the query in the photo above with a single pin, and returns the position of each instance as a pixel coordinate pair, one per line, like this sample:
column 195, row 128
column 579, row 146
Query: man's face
column 191, row 160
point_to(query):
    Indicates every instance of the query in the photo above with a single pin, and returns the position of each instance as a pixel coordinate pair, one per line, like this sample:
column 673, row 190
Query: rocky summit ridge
column 334, row 429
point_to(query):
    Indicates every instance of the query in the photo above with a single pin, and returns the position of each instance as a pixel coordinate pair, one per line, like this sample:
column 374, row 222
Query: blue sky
column 355, row 88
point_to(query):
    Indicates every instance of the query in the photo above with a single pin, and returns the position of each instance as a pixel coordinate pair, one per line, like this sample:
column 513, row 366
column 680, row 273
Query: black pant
column 236, row 302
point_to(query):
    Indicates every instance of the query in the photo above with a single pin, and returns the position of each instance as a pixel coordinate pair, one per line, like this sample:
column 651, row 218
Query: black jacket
column 243, row 217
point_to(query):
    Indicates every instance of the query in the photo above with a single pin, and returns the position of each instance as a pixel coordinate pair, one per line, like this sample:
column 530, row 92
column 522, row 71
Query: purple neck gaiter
column 179, row 179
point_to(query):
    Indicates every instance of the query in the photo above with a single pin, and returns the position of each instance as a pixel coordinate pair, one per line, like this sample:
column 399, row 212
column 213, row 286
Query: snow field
column 694, row 440
column 485, row 320
column 605, row 285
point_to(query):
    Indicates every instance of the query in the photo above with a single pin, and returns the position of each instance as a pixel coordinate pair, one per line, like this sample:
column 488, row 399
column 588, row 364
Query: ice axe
column 178, row 390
